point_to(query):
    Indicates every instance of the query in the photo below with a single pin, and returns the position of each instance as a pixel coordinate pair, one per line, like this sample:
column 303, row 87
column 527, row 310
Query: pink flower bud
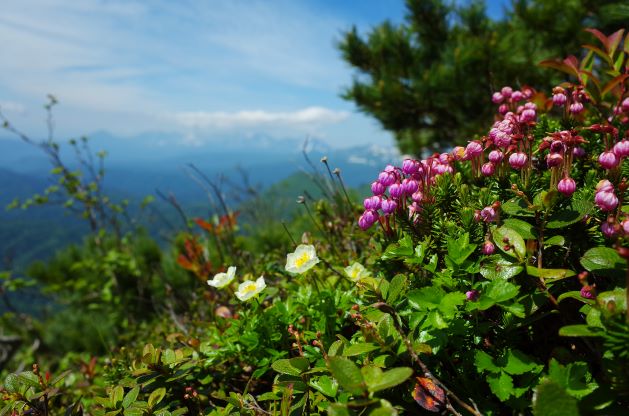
column 488, row 214
column 606, row 201
column 372, row 203
column 410, row 166
column 488, row 169
column 517, row 96
column 609, row 230
column 527, row 115
column 578, row 152
column 458, row 153
column 377, row 188
column 625, row 105
column 587, row 292
column 417, row 196
column 608, row 160
column 474, row 149
column 388, row 206
column 488, row 248
column 386, row 178
column 472, row 295
column 497, row 98
column 576, row 107
column 502, row 139
column 567, row 186
column 503, row 109
column 559, row 99
column 557, row 146
column 396, row 191
column 621, row 149
column 368, row 219
column 604, row 186
column 518, row 160
column 625, row 226
column 554, row 160
column 496, row 156
column 506, row 92
column 410, row 186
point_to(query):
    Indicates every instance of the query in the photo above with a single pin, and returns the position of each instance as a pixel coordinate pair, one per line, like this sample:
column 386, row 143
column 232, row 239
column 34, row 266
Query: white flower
column 357, row 272
column 223, row 279
column 302, row 259
column 248, row 289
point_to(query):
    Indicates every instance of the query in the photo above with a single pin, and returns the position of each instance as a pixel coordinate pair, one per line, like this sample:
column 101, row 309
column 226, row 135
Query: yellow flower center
column 251, row 287
column 301, row 260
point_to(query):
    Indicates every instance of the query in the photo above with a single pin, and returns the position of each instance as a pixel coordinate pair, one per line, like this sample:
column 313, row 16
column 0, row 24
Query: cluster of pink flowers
column 395, row 185
column 574, row 101
column 509, row 99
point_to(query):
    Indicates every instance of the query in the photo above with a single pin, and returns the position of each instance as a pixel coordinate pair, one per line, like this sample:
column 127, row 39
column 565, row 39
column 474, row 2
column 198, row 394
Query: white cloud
column 310, row 116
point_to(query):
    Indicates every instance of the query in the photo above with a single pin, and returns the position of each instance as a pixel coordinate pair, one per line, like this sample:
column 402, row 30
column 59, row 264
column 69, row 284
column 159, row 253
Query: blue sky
column 197, row 69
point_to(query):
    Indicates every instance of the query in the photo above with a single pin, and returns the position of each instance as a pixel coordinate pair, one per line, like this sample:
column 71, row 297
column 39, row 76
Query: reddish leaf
column 614, row 40
column 204, row 224
column 600, row 53
column 428, row 395
column 600, row 37
column 613, row 83
column 184, row 262
column 560, row 66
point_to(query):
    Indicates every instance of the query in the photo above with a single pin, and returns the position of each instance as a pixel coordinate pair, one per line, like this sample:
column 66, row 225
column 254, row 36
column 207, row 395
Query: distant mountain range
column 138, row 166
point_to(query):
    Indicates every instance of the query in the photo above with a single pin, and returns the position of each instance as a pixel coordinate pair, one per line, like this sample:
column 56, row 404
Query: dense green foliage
column 465, row 287
column 427, row 79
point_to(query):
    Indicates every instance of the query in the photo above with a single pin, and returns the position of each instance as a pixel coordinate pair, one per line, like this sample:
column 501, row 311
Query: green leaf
column 574, row 377
column 385, row 409
column 578, row 331
column 131, row 396
column 516, row 309
column 501, row 385
column 485, row 362
column 325, row 385
column 291, row 366
column 526, row 230
column 450, row 302
column 552, row 400
column 519, row 363
column 397, row 285
column 428, row 297
column 156, row 396
column 500, row 290
column 556, row 240
column 604, row 260
column 517, row 207
column 460, row 249
column 575, row 213
column 358, row 349
column 338, row 409
column 500, row 267
column 117, row 394
column 347, row 374
column 550, row 275
column 574, row 294
column 518, row 247
column 377, row 380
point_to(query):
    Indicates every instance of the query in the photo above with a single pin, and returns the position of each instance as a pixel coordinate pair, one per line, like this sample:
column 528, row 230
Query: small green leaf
column 325, row 385
column 484, row 362
column 556, row 240
column 517, row 207
column 552, row 400
column 358, row 349
column 578, row 331
column 428, row 297
column 291, row 366
column 500, row 267
column 156, row 396
column 519, row 363
column 550, row 275
column 377, row 380
column 131, row 396
column 514, row 240
column 526, row 230
column 347, row 374
column 604, row 260
column 500, row 290
column 117, row 394
column 501, row 385
column 397, row 285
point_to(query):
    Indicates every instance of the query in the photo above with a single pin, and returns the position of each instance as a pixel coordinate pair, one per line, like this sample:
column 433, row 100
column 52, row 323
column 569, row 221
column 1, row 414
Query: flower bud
column 458, row 153
column 488, row 214
column 559, row 99
column 495, row 156
column 410, row 166
column 606, row 201
column 578, row 152
column 410, row 186
column 604, row 186
column 554, row 160
column 506, row 92
column 372, row 203
column 518, row 160
column 517, row 96
column 388, row 206
column 396, row 191
column 488, row 169
column 557, row 146
column 567, row 186
column 497, row 98
column 625, row 226
column 621, row 149
column 488, row 248
column 576, row 107
column 474, row 149
column 368, row 219
column 386, row 178
column 608, row 160
column 608, row 229
column 377, row 188
column 472, row 295
column 625, row 105
column 503, row 109
column 527, row 115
